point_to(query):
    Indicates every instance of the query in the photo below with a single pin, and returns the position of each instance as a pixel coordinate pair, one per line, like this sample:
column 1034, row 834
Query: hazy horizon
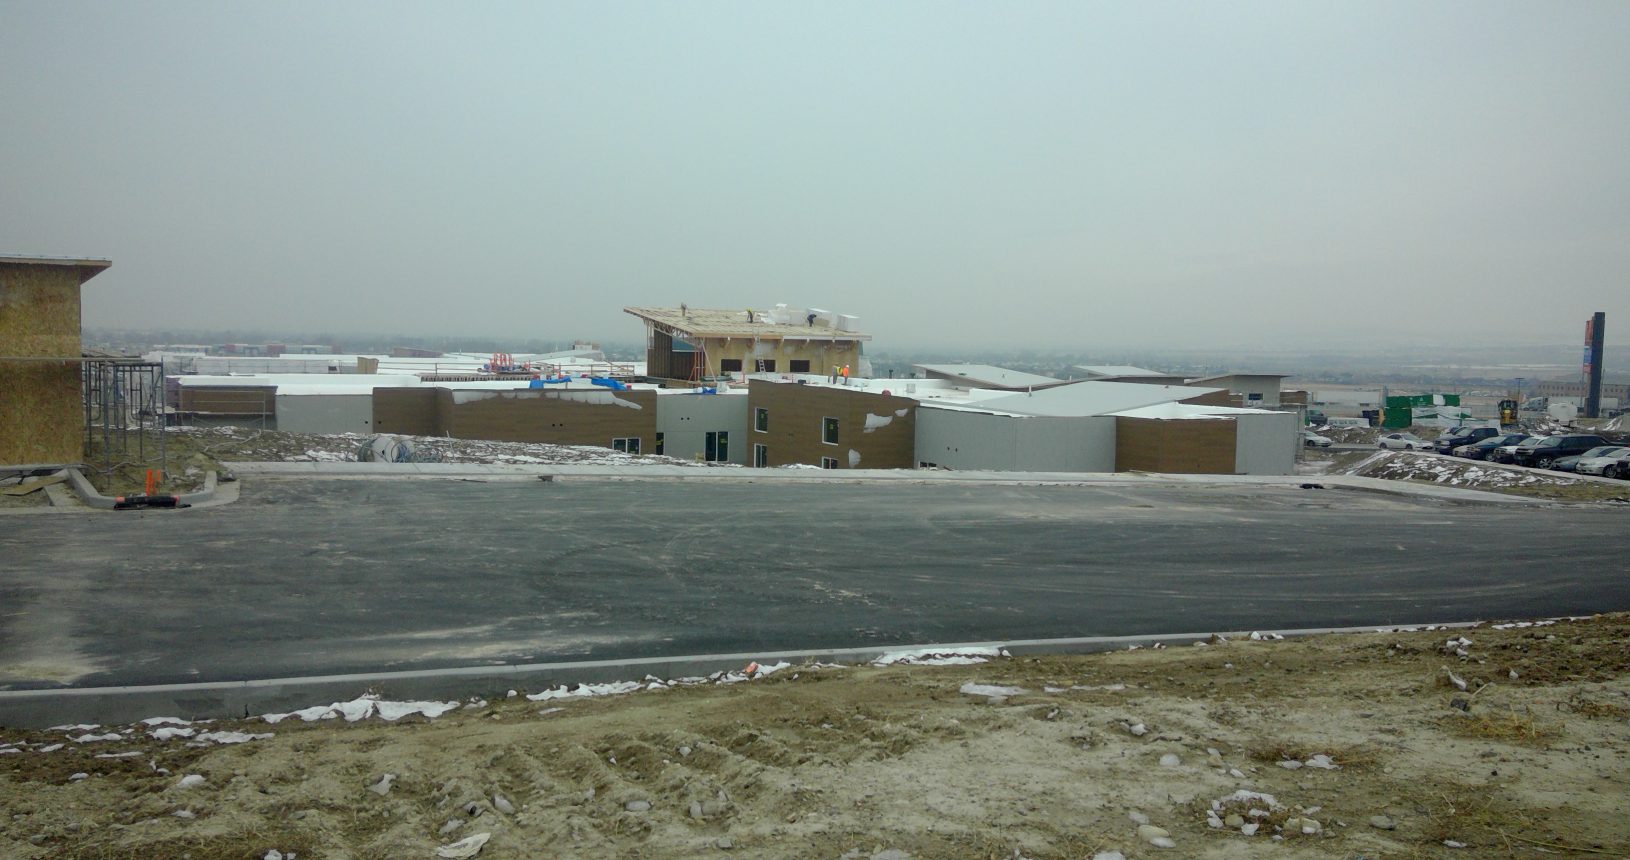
column 1077, row 175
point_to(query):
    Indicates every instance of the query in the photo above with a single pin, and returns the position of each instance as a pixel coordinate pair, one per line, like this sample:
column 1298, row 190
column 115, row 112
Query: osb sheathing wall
column 42, row 418
column 41, row 410
column 561, row 417
column 1191, row 447
column 796, row 413
column 822, row 355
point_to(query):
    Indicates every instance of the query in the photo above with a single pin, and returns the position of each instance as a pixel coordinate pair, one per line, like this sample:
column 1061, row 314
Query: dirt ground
column 1532, row 759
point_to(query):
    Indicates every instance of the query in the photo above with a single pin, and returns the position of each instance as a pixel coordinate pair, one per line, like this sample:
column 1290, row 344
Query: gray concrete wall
column 1005, row 443
column 1266, row 444
column 1084, row 444
column 966, row 440
column 685, row 419
column 325, row 413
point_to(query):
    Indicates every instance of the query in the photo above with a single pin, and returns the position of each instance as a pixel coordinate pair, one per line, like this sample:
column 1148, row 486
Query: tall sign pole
column 1595, row 328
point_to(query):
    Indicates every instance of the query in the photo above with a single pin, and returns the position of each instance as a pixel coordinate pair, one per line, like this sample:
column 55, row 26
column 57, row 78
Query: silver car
column 1612, row 465
column 1403, row 442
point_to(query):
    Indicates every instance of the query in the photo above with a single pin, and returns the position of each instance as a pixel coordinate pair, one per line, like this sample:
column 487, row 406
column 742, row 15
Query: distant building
column 42, row 417
column 1614, row 387
column 698, row 344
column 1257, row 390
column 1127, row 373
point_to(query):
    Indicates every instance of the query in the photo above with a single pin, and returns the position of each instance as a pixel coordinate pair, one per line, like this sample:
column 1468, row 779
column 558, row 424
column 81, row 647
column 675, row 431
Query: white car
column 1314, row 440
column 1614, row 465
column 1404, row 442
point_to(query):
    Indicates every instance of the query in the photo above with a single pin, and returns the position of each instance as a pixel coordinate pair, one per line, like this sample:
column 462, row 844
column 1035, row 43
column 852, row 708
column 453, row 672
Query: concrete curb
column 467, row 471
column 238, row 699
column 94, row 499
column 88, row 495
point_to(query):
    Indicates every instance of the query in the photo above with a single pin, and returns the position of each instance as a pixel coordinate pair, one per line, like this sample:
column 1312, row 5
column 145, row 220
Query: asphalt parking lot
column 307, row 577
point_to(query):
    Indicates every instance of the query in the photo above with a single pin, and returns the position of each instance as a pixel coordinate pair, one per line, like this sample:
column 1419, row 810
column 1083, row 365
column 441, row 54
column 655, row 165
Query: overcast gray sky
column 1072, row 174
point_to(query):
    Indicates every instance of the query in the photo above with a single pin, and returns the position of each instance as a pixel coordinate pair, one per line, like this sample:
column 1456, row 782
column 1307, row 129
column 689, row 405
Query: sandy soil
column 893, row 762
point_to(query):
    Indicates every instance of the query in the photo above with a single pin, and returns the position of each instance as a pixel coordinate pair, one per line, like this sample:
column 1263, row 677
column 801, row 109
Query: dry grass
column 1592, row 709
column 248, row 844
column 1489, row 824
column 1508, row 726
column 1358, row 757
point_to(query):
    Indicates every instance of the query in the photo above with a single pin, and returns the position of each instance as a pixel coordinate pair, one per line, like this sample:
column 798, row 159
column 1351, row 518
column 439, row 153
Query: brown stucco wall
column 1220, row 397
column 539, row 415
column 408, row 411
column 1194, row 447
column 42, row 415
column 254, row 400
column 795, row 414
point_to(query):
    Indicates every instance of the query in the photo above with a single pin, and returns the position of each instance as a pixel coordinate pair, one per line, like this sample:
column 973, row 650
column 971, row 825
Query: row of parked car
column 1582, row 453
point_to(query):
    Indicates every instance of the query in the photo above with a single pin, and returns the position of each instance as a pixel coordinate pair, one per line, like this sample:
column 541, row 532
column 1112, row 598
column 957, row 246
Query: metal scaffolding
column 125, row 413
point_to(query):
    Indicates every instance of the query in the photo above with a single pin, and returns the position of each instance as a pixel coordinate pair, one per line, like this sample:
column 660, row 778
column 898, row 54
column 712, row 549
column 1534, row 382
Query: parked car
column 1314, row 440
column 1553, row 448
column 1403, row 442
column 1482, row 450
column 1571, row 464
column 1315, row 418
column 1614, row 465
column 1508, row 453
column 1452, row 439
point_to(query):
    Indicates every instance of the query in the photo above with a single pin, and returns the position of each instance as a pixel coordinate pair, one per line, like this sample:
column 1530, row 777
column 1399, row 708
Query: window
column 765, row 365
column 829, row 463
column 659, row 444
column 1254, row 396
column 799, row 365
column 717, row 447
column 761, row 456
column 630, row 444
column 728, row 365
column 761, row 420
column 829, row 430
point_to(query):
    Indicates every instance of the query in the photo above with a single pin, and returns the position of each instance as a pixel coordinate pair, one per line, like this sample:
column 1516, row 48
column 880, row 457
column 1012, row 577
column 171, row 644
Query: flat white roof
column 1221, row 376
column 1189, row 411
column 313, row 380
column 1118, row 370
column 990, row 376
column 1093, row 398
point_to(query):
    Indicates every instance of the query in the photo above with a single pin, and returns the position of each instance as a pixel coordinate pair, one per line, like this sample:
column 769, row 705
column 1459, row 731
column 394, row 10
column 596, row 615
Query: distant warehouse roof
column 1098, row 370
column 1094, row 398
column 778, row 324
column 989, row 376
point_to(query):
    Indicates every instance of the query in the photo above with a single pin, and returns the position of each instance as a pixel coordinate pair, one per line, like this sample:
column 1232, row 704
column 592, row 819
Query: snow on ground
column 250, row 444
column 1405, row 466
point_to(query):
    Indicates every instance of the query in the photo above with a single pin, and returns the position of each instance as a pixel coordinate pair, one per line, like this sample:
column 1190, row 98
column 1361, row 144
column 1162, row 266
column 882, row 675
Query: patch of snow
column 363, row 707
column 939, row 656
column 232, row 737
column 583, row 691
column 992, row 690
